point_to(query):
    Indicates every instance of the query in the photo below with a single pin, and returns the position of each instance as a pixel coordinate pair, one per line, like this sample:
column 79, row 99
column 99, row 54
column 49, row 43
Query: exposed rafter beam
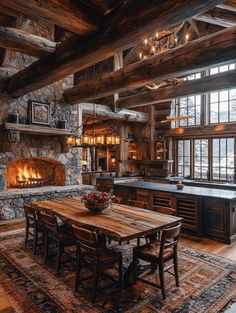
column 21, row 41
column 228, row 5
column 107, row 113
column 124, row 29
column 219, row 17
column 194, row 56
column 64, row 13
column 5, row 73
column 186, row 89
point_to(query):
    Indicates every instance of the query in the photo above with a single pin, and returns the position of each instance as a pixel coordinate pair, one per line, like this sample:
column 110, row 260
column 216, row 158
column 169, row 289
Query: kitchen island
column 206, row 212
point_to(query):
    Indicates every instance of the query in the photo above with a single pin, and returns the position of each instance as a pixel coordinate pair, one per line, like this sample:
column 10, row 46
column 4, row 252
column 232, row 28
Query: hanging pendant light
column 100, row 140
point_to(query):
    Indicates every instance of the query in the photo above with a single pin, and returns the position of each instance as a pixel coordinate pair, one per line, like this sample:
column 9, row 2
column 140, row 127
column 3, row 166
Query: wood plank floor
column 201, row 244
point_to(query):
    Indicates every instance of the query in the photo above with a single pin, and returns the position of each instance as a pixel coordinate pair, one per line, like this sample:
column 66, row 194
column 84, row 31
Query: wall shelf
column 36, row 130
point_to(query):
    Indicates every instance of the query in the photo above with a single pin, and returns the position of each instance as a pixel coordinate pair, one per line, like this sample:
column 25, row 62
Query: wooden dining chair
column 33, row 227
column 59, row 234
column 117, row 200
column 96, row 256
column 138, row 203
column 158, row 253
column 142, row 205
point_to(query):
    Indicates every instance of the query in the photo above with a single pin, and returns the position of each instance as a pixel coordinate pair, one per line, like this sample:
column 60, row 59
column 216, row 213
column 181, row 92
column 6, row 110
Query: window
column 194, row 154
column 221, row 69
column 183, row 158
column 187, row 106
column 201, row 158
column 223, row 159
column 223, row 106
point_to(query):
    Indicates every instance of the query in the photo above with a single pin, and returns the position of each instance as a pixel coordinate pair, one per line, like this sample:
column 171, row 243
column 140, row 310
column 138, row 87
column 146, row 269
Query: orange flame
column 25, row 173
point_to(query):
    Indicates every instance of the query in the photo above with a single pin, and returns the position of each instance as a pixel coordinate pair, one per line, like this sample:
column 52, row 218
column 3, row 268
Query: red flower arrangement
column 97, row 201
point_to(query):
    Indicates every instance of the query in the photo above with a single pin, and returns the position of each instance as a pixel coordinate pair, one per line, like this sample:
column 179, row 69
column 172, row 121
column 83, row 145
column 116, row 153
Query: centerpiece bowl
column 96, row 202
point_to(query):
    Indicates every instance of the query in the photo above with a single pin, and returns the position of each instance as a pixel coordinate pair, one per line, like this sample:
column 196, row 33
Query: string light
column 187, row 37
column 145, row 41
column 140, row 55
column 157, row 35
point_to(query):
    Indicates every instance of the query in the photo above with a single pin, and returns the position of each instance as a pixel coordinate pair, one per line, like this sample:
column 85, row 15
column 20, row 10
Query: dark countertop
column 188, row 190
column 192, row 182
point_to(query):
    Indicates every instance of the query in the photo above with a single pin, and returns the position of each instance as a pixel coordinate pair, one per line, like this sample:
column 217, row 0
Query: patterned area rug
column 207, row 284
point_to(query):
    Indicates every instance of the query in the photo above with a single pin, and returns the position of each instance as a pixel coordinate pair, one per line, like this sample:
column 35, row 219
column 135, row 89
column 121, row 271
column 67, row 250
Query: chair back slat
column 138, row 204
column 30, row 213
column 117, row 200
column 50, row 223
column 87, row 238
column 169, row 239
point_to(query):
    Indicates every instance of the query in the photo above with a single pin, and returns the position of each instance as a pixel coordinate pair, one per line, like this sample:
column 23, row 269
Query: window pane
column 183, row 157
column 223, row 158
column 224, row 112
column 232, row 110
column 200, row 158
column 214, row 113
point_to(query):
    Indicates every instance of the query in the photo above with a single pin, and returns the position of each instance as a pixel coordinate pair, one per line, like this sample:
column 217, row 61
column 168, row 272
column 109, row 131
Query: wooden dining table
column 119, row 222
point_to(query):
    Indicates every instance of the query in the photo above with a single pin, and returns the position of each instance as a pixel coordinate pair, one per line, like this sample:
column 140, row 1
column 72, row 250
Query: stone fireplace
column 35, row 172
column 33, row 160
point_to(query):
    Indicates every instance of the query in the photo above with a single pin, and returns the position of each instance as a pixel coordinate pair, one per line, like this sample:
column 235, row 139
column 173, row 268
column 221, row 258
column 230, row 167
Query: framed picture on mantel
column 39, row 113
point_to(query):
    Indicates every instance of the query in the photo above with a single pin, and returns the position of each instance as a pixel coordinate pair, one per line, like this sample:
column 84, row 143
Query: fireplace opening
column 35, row 172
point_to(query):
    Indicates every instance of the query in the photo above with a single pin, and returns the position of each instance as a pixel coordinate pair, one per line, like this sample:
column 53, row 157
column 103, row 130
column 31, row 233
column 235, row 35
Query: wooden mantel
column 36, row 130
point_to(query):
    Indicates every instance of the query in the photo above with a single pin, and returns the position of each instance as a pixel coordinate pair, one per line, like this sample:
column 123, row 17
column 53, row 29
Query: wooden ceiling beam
column 65, row 14
column 218, row 17
column 104, row 111
column 186, row 89
column 197, row 55
column 5, row 73
column 21, row 41
column 123, row 29
column 228, row 5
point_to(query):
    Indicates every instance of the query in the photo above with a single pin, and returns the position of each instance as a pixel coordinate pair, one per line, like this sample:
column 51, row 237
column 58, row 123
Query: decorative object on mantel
column 14, row 118
column 180, row 185
column 39, row 113
column 96, row 201
column 62, row 124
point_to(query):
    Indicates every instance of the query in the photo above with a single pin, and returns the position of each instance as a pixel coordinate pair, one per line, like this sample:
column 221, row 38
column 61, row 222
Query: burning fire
column 27, row 174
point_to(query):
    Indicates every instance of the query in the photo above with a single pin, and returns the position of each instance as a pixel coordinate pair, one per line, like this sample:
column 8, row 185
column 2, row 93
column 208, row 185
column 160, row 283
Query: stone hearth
column 11, row 202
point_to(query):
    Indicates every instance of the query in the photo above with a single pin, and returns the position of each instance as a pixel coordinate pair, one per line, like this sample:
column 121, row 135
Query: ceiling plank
column 65, row 14
column 104, row 7
column 21, row 41
column 228, row 5
column 124, row 29
column 219, row 17
column 194, row 56
column 186, row 89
